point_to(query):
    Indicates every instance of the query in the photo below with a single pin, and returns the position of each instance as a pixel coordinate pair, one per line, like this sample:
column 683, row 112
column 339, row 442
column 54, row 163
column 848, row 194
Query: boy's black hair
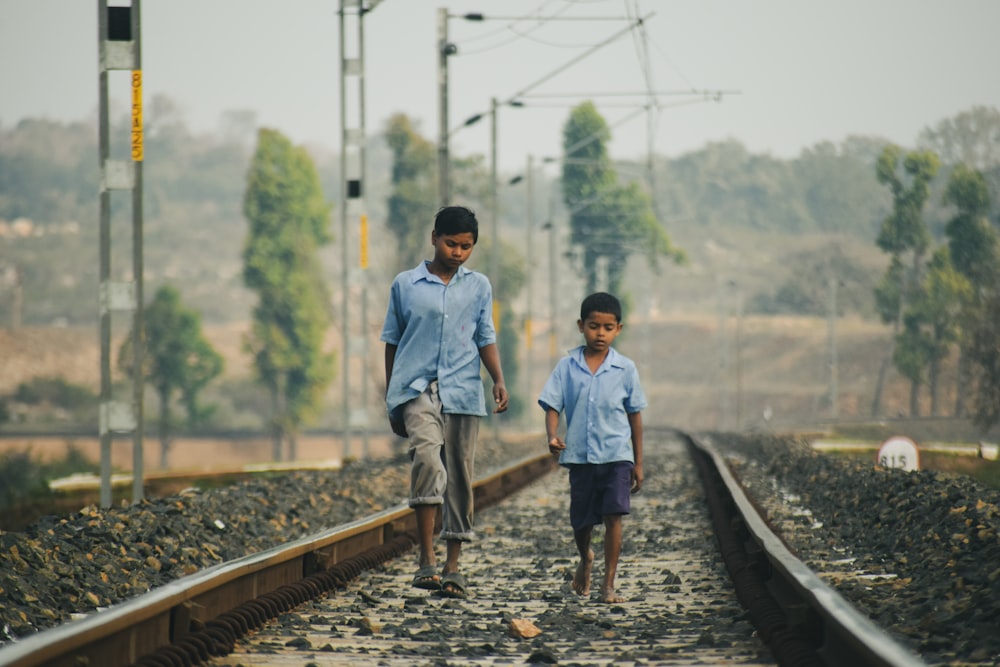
column 601, row 302
column 456, row 220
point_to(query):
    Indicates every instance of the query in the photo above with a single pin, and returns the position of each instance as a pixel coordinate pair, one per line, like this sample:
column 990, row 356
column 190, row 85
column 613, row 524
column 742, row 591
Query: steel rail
column 202, row 614
column 795, row 611
column 804, row 621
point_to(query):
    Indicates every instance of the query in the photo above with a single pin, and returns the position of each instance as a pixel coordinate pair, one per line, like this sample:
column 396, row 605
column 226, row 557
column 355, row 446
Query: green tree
column 933, row 325
column 178, row 360
column 888, row 290
column 910, row 355
column 288, row 222
column 837, row 190
column 973, row 242
column 984, row 347
column 609, row 221
column 412, row 198
column 509, row 328
column 975, row 252
column 905, row 238
column 972, row 138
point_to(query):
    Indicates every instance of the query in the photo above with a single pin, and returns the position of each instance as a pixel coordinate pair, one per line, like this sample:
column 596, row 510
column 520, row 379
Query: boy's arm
column 390, row 360
column 556, row 444
column 490, row 356
column 635, row 423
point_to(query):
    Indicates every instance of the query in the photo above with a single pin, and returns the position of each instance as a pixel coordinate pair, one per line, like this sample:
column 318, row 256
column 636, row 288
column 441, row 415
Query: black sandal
column 427, row 578
column 453, row 585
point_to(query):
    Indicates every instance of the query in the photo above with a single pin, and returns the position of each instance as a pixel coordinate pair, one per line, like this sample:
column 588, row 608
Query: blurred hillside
column 782, row 227
column 699, row 371
column 773, row 246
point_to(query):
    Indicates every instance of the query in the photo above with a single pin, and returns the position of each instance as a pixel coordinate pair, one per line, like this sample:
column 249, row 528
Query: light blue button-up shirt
column 597, row 406
column 437, row 330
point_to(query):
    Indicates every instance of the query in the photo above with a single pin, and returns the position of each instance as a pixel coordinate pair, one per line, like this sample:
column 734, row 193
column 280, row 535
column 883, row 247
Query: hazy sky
column 799, row 71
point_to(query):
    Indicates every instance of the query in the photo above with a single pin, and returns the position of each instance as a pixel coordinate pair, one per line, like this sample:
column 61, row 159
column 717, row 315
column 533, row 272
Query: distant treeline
column 194, row 186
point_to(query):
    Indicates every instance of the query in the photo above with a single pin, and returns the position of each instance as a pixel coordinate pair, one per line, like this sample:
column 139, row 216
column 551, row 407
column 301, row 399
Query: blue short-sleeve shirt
column 597, row 406
column 437, row 329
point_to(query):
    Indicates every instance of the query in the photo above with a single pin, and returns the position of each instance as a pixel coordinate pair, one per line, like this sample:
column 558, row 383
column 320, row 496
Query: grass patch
column 25, row 479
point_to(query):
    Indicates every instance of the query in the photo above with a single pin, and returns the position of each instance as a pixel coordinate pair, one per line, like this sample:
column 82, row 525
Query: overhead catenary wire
column 527, row 24
column 532, row 16
column 575, row 60
column 538, row 20
column 514, row 100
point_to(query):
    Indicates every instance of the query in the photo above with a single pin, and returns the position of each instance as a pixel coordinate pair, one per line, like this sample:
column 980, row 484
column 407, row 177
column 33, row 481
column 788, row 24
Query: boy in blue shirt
column 437, row 330
column 599, row 391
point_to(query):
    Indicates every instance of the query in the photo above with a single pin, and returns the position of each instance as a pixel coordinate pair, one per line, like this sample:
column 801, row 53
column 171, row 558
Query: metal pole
column 362, row 264
column 104, row 252
column 118, row 49
column 138, row 382
column 444, row 167
column 495, row 223
column 352, row 68
column 494, row 211
column 529, row 297
column 345, row 297
column 553, row 276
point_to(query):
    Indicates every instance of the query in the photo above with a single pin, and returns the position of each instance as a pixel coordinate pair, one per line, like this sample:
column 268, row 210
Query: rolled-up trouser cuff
column 461, row 537
column 430, row 500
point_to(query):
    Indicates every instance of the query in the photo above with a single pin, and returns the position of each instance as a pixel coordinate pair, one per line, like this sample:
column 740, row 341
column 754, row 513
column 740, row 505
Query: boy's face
column 599, row 330
column 452, row 250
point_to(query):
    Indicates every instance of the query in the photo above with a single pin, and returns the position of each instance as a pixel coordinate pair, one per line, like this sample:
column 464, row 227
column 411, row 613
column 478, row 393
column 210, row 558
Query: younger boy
column 437, row 330
column 599, row 391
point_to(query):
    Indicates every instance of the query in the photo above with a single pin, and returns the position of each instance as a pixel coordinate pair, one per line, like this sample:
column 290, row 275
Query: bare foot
column 581, row 581
column 608, row 594
column 610, row 597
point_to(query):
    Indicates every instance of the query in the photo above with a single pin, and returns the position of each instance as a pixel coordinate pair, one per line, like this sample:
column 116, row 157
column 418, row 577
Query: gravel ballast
column 62, row 567
column 917, row 552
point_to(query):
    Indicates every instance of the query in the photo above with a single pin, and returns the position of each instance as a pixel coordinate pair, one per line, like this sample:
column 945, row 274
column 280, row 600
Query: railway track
column 343, row 595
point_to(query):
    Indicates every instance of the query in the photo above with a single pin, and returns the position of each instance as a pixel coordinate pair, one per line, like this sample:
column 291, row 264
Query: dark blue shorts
column 597, row 490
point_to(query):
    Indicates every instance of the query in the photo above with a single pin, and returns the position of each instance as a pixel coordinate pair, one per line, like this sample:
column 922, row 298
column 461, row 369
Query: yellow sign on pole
column 364, row 241
column 137, row 115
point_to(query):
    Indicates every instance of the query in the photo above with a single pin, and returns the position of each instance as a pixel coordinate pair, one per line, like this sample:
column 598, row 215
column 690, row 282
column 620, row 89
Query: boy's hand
column 399, row 428
column 637, row 478
column 500, row 397
column 556, row 445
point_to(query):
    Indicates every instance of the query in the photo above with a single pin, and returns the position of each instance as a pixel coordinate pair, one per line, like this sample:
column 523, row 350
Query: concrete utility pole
column 119, row 48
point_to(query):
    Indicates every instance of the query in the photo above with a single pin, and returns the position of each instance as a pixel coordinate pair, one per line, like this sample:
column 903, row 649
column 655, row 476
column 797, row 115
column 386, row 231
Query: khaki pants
column 442, row 451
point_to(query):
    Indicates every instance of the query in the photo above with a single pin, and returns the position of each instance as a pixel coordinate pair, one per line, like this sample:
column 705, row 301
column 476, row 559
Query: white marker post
column 898, row 452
